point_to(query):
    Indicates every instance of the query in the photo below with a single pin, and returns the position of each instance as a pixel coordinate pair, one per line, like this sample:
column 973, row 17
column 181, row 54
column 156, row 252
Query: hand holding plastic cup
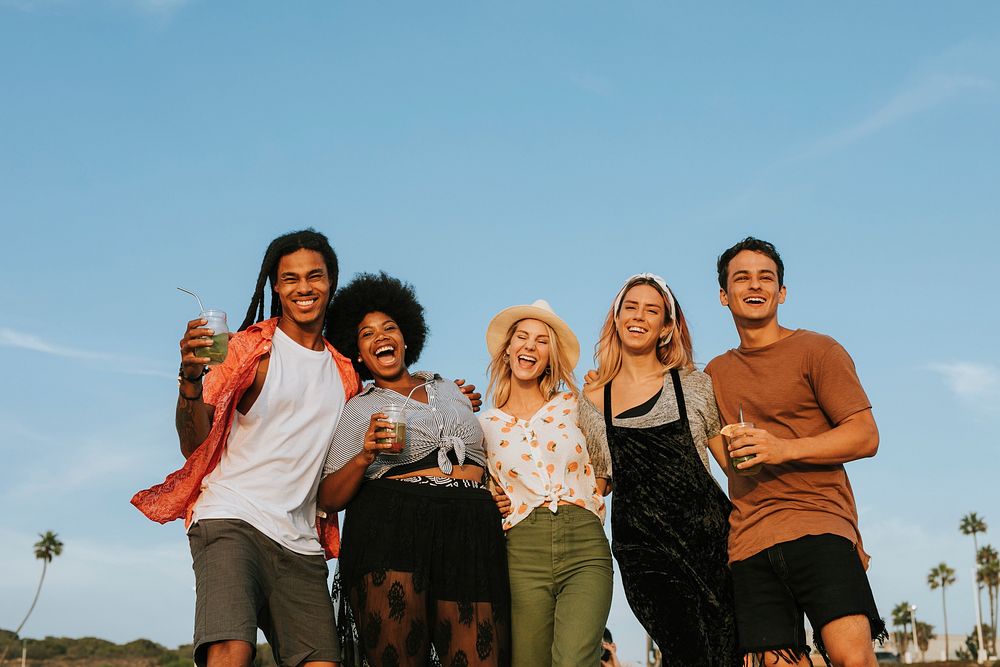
column 216, row 321
column 395, row 437
column 728, row 432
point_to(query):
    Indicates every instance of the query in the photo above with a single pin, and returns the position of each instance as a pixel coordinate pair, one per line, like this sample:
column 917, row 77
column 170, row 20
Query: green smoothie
column 219, row 349
column 727, row 432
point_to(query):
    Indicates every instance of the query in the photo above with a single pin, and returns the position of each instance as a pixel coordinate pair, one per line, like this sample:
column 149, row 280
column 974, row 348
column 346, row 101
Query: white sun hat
column 496, row 332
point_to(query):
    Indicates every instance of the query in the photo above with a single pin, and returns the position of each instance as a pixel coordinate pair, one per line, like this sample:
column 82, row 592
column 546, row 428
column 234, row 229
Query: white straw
column 187, row 291
column 411, row 393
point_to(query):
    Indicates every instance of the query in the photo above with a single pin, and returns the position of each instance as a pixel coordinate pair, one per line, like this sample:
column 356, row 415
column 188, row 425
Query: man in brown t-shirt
column 794, row 543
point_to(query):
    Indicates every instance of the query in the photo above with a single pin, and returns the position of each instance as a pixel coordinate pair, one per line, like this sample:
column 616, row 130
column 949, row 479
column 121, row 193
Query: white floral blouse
column 542, row 460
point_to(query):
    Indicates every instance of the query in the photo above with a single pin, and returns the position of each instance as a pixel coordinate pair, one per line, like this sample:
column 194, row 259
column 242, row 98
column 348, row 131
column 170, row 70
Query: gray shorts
column 245, row 580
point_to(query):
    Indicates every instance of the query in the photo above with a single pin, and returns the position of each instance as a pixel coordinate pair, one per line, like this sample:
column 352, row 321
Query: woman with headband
column 654, row 413
column 557, row 553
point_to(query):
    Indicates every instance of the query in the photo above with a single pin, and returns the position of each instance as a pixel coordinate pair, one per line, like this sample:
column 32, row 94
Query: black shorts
column 245, row 580
column 820, row 575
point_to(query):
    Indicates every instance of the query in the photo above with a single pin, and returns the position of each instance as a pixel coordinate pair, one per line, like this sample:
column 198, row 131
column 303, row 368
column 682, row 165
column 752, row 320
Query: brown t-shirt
column 800, row 386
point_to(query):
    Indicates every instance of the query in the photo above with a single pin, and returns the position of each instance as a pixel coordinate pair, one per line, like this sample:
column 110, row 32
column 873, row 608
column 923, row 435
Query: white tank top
column 269, row 472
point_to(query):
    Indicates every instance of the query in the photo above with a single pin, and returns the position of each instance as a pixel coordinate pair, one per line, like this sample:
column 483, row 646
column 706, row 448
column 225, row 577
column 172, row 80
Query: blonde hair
column 559, row 373
column 677, row 353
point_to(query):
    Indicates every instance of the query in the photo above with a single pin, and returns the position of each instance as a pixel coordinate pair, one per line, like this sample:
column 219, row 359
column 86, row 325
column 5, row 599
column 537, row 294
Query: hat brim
column 496, row 332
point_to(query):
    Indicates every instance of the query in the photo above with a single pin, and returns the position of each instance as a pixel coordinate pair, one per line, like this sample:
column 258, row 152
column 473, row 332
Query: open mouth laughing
column 385, row 354
column 526, row 361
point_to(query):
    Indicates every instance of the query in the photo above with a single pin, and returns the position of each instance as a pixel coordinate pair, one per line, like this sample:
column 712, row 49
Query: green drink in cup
column 220, row 340
column 727, row 434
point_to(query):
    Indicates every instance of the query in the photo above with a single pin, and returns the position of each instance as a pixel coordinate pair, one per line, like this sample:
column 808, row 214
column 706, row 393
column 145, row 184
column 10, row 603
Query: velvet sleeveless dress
column 669, row 523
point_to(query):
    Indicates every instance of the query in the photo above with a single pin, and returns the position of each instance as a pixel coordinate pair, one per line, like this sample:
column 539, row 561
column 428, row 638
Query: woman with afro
column 422, row 573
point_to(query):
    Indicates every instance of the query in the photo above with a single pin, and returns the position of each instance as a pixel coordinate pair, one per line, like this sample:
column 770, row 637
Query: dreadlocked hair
column 370, row 293
column 306, row 239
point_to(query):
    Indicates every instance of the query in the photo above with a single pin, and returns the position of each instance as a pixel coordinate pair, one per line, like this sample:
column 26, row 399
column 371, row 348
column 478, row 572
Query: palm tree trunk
column 38, row 592
column 17, row 633
column 979, row 588
column 944, row 609
column 994, row 597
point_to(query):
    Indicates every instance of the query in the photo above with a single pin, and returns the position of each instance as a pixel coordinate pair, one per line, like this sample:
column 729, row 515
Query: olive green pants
column 560, row 587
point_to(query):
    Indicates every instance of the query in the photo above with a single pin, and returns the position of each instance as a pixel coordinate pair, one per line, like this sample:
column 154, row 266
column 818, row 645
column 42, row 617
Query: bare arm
column 470, row 393
column 193, row 420
column 717, row 446
column 854, row 438
column 339, row 487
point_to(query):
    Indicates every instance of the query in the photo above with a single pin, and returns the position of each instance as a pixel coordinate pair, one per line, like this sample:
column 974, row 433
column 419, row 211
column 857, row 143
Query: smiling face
column 381, row 346
column 528, row 350
column 752, row 292
column 641, row 320
column 303, row 287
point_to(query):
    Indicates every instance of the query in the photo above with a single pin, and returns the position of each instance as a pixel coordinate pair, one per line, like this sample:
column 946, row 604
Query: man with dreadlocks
column 255, row 451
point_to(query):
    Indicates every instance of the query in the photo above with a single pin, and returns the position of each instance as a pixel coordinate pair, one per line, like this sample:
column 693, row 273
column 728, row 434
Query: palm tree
column 972, row 524
column 942, row 577
column 901, row 616
column 46, row 549
column 925, row 633
column 988, row 575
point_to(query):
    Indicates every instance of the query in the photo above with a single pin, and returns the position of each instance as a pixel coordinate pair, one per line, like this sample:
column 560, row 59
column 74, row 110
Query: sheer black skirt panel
column 422, row 578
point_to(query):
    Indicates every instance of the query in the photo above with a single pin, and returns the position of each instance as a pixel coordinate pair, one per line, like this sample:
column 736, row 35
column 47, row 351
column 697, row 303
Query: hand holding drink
column 206, row 340
column 218, row 347
column 395, row 435
column 387, row 433
column 731, row 434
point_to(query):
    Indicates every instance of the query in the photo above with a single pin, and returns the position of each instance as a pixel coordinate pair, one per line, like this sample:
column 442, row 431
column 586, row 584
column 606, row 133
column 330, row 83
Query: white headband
column 662, row 284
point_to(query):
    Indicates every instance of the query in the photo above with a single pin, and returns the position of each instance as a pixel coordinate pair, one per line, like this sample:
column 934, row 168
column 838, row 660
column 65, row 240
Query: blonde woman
column 654, row 414
column 558, row 557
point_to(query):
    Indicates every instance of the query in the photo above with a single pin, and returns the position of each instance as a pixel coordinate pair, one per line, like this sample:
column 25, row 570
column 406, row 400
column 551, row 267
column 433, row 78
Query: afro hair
column 370, row 293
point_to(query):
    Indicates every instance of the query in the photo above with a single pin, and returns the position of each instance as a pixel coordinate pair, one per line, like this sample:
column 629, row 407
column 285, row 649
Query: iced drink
column 216, row 321
column 395, row 437
column 220, row 348
column 727, row 432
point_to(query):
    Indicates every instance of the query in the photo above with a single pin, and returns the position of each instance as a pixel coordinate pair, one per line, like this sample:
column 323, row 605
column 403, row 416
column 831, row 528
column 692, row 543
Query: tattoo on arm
column 193, row 420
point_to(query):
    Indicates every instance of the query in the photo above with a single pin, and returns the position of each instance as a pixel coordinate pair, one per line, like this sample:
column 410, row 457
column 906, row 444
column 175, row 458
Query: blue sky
column 491, row 154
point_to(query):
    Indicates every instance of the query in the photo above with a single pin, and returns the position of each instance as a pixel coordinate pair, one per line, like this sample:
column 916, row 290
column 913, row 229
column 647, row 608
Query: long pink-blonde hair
column 676, row 353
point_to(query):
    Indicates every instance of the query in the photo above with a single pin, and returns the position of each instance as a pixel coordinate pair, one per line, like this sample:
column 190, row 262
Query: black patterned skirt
column 422, row 577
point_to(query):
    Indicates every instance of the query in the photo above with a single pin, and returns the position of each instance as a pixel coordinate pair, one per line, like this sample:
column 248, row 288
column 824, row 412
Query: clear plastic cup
column 395, row 437
column 220, row 340
column 727, row 432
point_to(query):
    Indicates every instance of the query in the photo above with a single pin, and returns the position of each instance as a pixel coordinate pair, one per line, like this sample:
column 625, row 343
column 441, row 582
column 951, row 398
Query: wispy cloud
column 968, row 379
column 977, row 384
column 915, row 97
column 91, row 469
column 32, row 343
column 27, row 341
